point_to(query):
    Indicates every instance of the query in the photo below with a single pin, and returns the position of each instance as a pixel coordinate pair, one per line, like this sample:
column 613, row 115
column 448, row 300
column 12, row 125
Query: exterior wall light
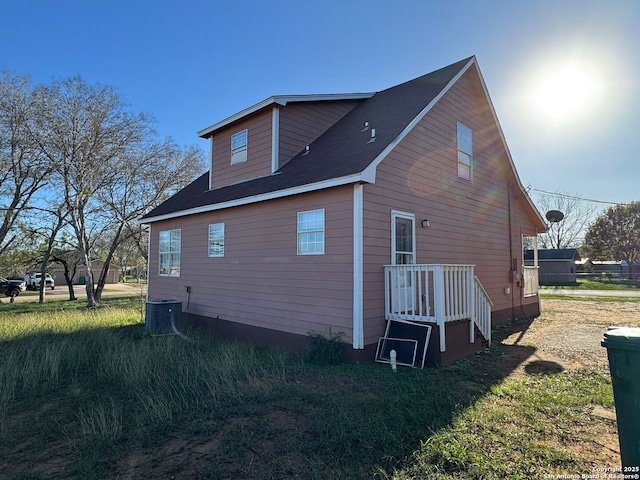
column 425, row 223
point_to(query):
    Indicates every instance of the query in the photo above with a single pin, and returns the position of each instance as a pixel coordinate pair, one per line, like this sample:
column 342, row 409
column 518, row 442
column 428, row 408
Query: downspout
column 511, row 279
column 358, row 270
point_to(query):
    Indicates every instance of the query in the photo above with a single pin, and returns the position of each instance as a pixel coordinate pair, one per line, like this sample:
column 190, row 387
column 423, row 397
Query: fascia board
column 281, row 100
column 312, row 187
column 370, row 172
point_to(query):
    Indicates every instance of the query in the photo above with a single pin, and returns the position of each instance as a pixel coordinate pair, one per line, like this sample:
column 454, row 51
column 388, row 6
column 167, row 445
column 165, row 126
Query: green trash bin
column 623, row 349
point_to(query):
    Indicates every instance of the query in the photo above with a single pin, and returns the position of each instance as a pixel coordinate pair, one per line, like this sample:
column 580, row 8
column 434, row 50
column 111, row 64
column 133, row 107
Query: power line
column 564, row 195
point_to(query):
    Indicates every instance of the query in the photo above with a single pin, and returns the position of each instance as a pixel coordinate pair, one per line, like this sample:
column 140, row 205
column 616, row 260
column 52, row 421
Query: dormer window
column 239, row 147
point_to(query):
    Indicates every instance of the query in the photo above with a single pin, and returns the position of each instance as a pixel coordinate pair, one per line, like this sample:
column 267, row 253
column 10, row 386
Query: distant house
column 555, row 265
column 630, row 273
column 113, row 275
column 608, row 268
column 335, row 213
column 584, row 267
column 613, row 268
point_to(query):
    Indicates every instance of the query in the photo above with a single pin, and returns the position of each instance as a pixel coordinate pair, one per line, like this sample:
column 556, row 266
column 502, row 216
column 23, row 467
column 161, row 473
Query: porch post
column 438, row 294
column 472, row 304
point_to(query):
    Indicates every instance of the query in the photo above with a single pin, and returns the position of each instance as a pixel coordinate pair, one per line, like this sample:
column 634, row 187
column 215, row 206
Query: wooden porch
column 437, row 293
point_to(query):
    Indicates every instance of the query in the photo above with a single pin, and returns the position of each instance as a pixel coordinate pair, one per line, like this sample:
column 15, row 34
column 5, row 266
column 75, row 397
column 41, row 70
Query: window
column 216, row 240
column 403, row 241
column 239, row 146
column 311, row 232
column 169, row 253
column 465, row 152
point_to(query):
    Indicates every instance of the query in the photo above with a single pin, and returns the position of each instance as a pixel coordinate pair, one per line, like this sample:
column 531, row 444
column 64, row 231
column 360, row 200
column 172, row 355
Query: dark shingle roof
column 569, row 254
column 342, row 151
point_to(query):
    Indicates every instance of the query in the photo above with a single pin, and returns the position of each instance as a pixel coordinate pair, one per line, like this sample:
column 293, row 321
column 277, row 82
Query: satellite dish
column 554, row 216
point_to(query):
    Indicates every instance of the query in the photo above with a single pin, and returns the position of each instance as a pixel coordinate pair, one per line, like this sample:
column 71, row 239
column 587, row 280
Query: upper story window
column 465, row 152
column 239, row 146
column 311, row 232
column 216, row 240
column 169, row 253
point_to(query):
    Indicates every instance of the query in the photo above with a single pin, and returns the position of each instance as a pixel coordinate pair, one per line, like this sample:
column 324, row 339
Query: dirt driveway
column 567, row 336
column 61, row 292
column 568, row 332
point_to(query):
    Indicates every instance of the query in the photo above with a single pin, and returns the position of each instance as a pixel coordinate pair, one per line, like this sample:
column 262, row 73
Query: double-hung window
column 216, row 240
column 311, row 232
column 239, row 146
column 169, row 253
column 465, row 152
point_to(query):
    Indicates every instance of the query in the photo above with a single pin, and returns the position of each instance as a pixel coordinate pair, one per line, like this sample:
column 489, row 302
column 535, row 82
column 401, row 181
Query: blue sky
column 192, row 63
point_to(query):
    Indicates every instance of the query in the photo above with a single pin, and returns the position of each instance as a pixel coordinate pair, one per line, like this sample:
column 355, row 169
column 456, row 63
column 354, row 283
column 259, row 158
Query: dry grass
column 86, row 395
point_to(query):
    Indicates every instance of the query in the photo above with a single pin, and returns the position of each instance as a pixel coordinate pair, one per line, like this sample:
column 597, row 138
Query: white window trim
column 395, row 214
column 298, row 232
column 170, row 253
column 214, row 255
column 239, row 154
column 465, row 153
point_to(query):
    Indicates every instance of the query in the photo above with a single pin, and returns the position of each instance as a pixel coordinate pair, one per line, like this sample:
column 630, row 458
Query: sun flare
column 565, row 93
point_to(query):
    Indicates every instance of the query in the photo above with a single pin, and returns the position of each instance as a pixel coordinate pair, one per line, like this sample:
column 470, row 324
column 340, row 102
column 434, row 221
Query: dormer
column 262, row 138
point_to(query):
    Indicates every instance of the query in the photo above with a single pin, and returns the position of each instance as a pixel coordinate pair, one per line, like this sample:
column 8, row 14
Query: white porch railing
column 437, row 293
column 530, row 276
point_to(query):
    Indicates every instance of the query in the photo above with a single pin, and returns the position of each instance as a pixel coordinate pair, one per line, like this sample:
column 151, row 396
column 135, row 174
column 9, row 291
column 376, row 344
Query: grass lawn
column 85, row 394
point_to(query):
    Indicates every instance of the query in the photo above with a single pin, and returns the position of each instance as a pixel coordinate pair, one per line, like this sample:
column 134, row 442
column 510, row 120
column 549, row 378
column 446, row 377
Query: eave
column 312, row 187
column 281, row 100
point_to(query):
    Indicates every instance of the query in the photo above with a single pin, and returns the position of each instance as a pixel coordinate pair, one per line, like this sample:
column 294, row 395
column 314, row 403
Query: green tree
column 615, row 235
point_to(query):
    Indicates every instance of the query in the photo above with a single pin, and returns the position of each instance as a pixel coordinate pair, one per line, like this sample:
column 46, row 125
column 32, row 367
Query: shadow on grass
column 113, row 402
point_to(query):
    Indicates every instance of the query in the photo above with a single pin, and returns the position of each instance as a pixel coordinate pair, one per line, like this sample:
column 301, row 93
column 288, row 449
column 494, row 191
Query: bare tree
column 25, row 170
column 48, row 228
column 110, row 167
column 86, row 131
column 569, row 232
column 147, row 178
column 70, row 261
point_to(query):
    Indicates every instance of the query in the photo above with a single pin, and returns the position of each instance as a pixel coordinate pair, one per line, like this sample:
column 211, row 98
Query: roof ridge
column 344, row 153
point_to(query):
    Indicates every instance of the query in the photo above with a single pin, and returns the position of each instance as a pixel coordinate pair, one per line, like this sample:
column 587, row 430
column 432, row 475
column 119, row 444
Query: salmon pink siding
column 258, row 161
column 301, row 123
column 261, row 281
column 469, row 221
column 298, row 125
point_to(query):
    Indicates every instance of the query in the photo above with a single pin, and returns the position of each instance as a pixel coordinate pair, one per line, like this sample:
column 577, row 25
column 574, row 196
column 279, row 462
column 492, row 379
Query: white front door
column 403, row 248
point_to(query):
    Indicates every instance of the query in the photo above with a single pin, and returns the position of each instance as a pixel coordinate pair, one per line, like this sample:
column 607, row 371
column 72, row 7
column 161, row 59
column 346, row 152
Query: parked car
column 19, row 282
column 11, row 288
column 32, row 281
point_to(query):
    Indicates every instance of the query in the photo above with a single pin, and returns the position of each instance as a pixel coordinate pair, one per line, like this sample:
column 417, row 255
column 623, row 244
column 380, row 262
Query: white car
column 33, row 281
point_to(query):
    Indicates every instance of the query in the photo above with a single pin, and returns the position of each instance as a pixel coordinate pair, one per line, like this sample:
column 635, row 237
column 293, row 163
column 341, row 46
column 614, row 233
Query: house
column 113, row 275
column 630, row 270
column 334, row 213
column 608, row 268
column 599, row 269
column 556, row 265
column 584, row 268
